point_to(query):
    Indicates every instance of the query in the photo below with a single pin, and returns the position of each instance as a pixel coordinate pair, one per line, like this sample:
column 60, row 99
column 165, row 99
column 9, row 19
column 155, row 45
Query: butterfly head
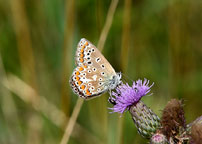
column 116, row 80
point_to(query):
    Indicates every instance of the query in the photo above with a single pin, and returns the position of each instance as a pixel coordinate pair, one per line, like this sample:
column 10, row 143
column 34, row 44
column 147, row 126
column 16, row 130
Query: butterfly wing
column 93, row 73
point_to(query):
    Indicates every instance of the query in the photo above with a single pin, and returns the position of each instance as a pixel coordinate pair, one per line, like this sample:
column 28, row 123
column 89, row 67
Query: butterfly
column 93, row 75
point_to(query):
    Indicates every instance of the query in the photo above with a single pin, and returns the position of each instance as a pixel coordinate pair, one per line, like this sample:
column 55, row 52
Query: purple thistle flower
column 126, row 96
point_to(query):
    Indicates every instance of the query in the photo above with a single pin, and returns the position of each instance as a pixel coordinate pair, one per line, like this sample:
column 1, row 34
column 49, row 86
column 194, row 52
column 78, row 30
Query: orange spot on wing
column 77, row 78
column 81, row 55
column 77, row 73
column 80, row 69
column 86, row 43
column 81, row 60
column 85, row 66
column 82, row 50
column 83, row 87
column 88, row 92
column 79, row 82
column 83, row 46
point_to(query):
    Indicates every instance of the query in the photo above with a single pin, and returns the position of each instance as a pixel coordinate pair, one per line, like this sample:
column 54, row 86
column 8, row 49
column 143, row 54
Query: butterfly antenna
column 124, row 81
column 126, row 78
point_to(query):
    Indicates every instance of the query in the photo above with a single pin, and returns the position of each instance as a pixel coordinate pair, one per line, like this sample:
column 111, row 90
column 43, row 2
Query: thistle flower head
column 158, row 138
column 126, row 96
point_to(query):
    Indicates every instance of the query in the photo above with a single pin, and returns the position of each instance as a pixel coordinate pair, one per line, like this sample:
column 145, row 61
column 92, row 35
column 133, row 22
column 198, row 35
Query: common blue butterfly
column 93, row 75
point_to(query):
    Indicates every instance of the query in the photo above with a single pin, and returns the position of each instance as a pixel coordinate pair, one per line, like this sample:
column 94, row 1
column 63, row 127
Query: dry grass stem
column 39, row 103
column 67, row 53
column 100, row 45
column 9, row 109
column 72, row 121
column 107, row 25
column 57, row 117
column 23, row 37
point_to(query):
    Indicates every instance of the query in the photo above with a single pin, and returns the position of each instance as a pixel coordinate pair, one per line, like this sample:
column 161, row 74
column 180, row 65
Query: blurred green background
column 158, row 40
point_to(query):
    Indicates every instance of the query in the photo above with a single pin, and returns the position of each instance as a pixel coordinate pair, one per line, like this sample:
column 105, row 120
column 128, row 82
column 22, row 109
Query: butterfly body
column 93, row 75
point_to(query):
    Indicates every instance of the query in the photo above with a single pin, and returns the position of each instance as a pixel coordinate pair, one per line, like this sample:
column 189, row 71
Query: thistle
column 158, row 138
column 171, row 129
column 197, row 121
column 128, row 98
column 173, row 122
column 196, row 133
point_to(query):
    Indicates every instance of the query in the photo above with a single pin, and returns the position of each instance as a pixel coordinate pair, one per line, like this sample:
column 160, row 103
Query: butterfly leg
column 111, row 99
